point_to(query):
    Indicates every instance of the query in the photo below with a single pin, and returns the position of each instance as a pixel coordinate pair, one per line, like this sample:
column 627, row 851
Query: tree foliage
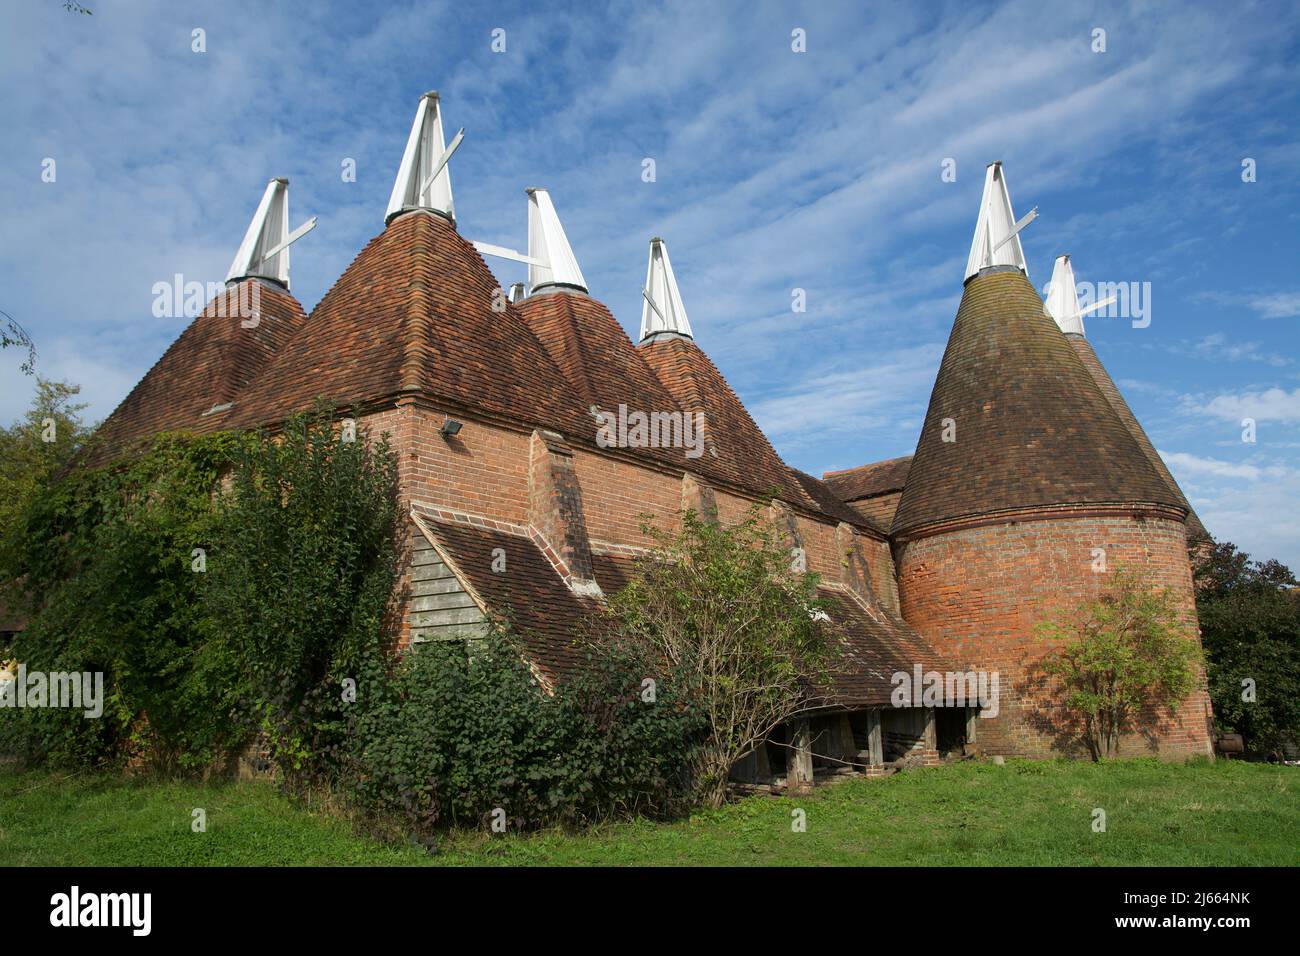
column 104, row 561
column 1124, row 657
column 13, row 335
column 727, row 618
column 1250, row 626
column 302, row 570
column 465, row 735
column 34, row 448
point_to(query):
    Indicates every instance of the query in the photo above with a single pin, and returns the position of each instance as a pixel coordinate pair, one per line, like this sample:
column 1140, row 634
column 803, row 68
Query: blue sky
column 775, row 170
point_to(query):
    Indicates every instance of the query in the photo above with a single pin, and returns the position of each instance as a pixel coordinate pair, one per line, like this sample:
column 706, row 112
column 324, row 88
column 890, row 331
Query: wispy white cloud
column 1276, row 305
column 1184, row 463
column 1266, row 405
column 1219, row 348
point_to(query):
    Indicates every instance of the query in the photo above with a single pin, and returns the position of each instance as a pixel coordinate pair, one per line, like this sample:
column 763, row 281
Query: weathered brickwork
column 979, row 592
column 482, row 470
column 556, row 515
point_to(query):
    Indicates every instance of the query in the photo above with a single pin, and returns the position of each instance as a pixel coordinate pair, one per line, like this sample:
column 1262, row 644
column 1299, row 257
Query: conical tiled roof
column 1030, row 426
column 414, row 314
column 191, row 387
column 1108, row 388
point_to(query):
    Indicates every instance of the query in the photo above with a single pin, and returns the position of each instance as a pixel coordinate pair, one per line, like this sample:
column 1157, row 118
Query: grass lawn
column 1028, row 813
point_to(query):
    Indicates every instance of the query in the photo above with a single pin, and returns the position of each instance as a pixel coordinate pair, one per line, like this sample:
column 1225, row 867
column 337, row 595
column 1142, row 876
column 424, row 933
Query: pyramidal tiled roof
column 735, row 446
column 1108, row 388
column 413, row 314
column 191, row 387
column 606, row 370
column 594, row 353
column 1030, row 426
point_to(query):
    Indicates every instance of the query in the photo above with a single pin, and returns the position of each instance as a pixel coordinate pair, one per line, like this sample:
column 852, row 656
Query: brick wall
column 484, row 470
column 978, row 592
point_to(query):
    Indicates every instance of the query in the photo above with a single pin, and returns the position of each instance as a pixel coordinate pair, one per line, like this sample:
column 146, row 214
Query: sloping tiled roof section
column 546, row 615
column 868, row 481
column 210, row 364
column 1031, row 427
column 873, row 647
column 1108, row 388
column 600, row 362
column 744, row 457
column 413, row 314
column 830, row 505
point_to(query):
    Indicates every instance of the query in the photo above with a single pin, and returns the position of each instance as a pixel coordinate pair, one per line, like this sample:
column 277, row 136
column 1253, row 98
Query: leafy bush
column 105, row 560
column 464, row 730
column 229, row 585
column 283, row 597
column 723, row 609
column 303, row 566
column 1250, row 626
column 1126, row 654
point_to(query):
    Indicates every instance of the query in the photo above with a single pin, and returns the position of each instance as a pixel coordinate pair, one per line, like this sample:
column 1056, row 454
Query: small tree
column 1126, row 653
column 34, row 448
column 735, row 628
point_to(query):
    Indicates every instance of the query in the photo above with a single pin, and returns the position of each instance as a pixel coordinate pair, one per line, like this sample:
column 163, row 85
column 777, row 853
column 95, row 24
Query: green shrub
column 1122, row 659
column 736, row 620
column 105, row 556
column 303, row 567
column 464, row 730
column 278, row 625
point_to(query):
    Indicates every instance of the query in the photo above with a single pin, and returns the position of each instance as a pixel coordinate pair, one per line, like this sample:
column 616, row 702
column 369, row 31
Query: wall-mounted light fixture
column 450, row 427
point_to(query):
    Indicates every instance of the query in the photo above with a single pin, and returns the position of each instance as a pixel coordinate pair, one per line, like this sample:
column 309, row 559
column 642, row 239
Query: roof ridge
column 416, row 317
column 869, row 464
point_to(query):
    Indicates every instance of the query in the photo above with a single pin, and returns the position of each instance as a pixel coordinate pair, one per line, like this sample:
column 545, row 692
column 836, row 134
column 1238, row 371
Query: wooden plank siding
column 440, row 608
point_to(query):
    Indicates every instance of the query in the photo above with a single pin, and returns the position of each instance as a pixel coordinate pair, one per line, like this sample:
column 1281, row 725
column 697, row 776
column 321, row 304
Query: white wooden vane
column 264, row 253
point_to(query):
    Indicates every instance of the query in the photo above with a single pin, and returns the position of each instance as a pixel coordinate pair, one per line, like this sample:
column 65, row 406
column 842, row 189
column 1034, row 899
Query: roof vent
column 264, row 253
column 997, row 233
column 662, row 311
column 517, row 292
column 1063, row 299
column 548, row 246
column 550, row 258
column 423, row 180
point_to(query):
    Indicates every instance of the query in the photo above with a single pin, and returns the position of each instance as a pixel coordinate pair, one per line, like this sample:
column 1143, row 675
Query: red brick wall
column 977, row 594
column 484, row 470
column 614, row 492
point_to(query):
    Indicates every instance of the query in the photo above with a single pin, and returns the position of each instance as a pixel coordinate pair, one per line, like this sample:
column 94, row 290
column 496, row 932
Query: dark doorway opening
column 950, row 730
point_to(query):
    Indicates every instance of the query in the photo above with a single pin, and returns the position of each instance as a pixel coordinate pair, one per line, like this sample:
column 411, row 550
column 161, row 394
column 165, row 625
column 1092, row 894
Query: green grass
column 1027, row 813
